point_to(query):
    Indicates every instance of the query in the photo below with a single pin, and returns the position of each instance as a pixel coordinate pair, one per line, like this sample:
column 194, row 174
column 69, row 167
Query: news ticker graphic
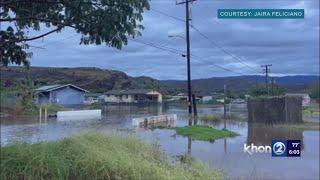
column 260, row 13
column 279, row 148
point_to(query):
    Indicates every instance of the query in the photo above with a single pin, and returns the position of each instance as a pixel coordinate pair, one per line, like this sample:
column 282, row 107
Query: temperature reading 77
column 295, row 144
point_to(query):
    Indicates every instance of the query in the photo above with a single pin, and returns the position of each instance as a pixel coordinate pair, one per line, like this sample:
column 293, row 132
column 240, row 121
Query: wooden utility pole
column 272, row 86
column 194, row 103
column 266, row 70
column 224, row 106
column 40, row 113
column 188, row 53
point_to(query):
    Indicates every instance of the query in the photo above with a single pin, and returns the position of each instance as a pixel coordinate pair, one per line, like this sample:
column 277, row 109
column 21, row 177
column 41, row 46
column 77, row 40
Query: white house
column 91, row 98
column 206, row 98
column 179, row 97
column 305, row 98
column 133, row 96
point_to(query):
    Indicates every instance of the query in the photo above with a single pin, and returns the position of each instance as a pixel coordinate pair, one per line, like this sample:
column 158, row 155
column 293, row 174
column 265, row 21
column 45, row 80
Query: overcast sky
column 291, row 46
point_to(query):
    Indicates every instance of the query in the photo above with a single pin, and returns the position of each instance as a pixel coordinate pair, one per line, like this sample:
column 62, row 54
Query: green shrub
column 205, row 133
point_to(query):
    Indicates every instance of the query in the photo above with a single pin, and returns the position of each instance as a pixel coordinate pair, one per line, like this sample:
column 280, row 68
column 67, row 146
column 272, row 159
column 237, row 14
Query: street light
column 178, row 36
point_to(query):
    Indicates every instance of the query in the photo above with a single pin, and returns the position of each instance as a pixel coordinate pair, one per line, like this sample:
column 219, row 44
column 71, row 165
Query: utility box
column 283, row 109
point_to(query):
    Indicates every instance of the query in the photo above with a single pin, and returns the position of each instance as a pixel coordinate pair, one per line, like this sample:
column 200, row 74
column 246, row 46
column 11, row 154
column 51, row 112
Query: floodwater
column 225, row 154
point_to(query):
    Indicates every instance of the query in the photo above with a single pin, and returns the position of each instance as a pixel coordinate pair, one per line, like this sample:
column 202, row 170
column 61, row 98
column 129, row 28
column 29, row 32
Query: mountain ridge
column 102, row 80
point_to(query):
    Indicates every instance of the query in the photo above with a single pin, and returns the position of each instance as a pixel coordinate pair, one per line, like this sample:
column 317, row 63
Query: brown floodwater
column 224, row 154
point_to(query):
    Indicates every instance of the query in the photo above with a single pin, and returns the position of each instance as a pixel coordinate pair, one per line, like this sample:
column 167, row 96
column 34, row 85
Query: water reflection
column 263, row 134
column 189, row 145
column 226, row 154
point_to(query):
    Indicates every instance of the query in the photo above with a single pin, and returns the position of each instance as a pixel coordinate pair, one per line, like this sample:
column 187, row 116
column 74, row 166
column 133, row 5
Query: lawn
column 312, row 110
column 204, row 133
column 95, row 156
column 312, row 126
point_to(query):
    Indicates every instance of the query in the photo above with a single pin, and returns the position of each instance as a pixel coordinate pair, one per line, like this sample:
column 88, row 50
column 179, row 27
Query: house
column 217, row 95
column 133, row 96
column 238, row 101
column 305, row 98
column 91, row 98
column 67, row 94
column 202, row 97
column 179, row 97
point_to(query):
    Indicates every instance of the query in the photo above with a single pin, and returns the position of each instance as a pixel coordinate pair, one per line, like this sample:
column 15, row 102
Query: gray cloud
column 292, row 46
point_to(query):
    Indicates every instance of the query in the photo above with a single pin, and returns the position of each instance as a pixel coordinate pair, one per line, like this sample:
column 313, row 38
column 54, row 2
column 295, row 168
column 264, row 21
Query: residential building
column 67, row 94
column 179, row 97
column 133, row 96
column 91, row 98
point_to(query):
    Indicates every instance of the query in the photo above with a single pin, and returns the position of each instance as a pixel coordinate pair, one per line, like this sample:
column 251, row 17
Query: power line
column 222, row 49
column 175, row 51
column 168, row 15
column 219, row 66
column 164, row 48
column 206, row 37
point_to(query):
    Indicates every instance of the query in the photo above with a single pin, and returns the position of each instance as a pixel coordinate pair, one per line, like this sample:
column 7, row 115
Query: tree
column 231, row 94
column 315, row 91
column 98, row 21
column 154, row 85
column 262, row 91
column 278, row 90
column 258, row 91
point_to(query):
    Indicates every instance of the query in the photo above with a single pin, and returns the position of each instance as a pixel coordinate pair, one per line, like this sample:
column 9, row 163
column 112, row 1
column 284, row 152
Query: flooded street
column 225, row 154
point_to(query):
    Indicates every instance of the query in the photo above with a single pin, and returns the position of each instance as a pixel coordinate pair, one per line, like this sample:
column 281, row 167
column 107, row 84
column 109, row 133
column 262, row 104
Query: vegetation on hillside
column 95, row 156
column 93, row 79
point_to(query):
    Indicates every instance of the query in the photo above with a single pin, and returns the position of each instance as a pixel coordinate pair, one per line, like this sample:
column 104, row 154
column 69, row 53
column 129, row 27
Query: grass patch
column 301, row 126
column 312, row 110
column 53, row 108
column 205, row 133
column 95, row 156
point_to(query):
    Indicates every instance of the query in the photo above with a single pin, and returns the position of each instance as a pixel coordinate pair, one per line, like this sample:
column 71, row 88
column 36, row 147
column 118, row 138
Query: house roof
column 58, row 86
column 130, row 91
column 93, row 94
column 46, row 88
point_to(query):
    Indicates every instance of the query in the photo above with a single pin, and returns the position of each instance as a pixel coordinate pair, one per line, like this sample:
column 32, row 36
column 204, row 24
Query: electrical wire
column 206, row 37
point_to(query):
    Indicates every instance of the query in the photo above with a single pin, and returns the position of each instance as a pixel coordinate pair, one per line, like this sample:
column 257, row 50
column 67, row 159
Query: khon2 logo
column 279, row 148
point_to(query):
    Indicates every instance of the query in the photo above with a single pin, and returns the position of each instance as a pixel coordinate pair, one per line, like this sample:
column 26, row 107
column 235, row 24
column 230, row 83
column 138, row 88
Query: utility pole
column 272, row 85
column 266, row 70
column 188, row 52
column 224, row 106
